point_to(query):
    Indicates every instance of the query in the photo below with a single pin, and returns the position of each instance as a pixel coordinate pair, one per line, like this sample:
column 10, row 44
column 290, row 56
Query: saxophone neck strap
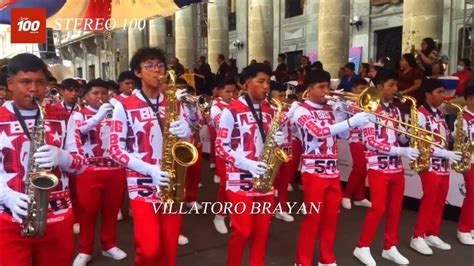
column 22, row 120
column 154, row 107
column 258, row 118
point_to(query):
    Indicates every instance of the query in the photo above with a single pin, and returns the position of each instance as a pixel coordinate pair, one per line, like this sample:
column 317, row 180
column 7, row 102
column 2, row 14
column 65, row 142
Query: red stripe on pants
column 212, row 148
column 155, row 235
column 386, row 192
column 356, row 182
column 466, row 219
column 248, row 227
column 284, row 175
column 435, row 189
column 327, row 193
column 221, row 192
column 99, row 190
column 193, row 174
column 55, row 247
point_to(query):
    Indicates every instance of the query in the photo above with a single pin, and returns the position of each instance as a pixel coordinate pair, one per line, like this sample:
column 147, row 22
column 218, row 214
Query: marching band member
column 356, row 182
column 69, row 91
column 242, row 129
column 227, row 94
column 318, row 126
column 213, row 132
column 435, row 181
column 62, row 153
column 102, row 185
column 285, row 172
column 385, row 175
column 126, row 81
column 466, row 219
column 155, row 233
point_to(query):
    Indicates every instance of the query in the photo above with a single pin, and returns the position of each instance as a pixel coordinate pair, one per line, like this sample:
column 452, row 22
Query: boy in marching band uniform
column 62, row 153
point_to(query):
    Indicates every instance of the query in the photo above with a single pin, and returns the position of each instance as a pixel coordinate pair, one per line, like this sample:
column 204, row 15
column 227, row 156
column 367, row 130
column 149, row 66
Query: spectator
column 364, row 70
column 409, row 81
column 437, row 70
column 222, row 70
column 426, row 56
column 176, row 66
column 282, row 67
column 253, row 61
column 349, row 74
column 463, row 73
column 204, row 70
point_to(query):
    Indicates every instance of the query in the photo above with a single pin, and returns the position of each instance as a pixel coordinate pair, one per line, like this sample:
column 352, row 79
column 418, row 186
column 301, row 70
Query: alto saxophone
column 460, row 144
column 39, row 182
column 271, row 155
column 177, row 154
column 422, row 163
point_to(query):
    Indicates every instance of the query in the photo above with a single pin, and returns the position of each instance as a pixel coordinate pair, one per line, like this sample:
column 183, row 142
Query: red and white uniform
column 211, row 127
column 102, row 184
column 216, row 111
column 435, row 181
column 193, row 172
column 356, row 182
column 155, row 234
column 320, row 179
column 238, row 140
column 466, row 219
column 385, row 175
column 56, row 246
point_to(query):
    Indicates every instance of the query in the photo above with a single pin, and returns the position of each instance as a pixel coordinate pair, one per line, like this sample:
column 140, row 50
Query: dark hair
column 27, row 63
column 144, row 54
column 229, row 81
column 300, row 89
column 317, row 66
column 96, row 83
column 358, row 81
column 126, row 75
column 221, row 56
column 275, row 86
column 430, row 45
column 51, row 78
column 366, row 67
column 466, row 62
column 410, row 58
column 384, row 75
column 350, row 66
column 69, row 84
column 316, row 76
column 468, row 89
column 283, row 56
column 3, row 79
column 429, row 85
column 440, row 65
column 252, row 71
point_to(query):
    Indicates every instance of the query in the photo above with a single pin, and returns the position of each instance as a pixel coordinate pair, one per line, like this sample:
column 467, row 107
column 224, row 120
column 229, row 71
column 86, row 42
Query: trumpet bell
column 369, row 99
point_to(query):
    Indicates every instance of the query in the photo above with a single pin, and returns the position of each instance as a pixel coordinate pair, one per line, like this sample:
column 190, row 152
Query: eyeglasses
column 150, row 66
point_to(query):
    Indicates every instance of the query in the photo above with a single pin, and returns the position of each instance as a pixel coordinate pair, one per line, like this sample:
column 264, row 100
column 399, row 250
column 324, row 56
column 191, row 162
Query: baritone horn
column 368, row 101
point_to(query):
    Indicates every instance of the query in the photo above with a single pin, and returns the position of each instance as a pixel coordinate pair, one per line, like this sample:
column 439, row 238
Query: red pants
column 296, row 151
column 247, row 226
column 356, row 182
column 221, row 193
column 435, row 190
column 212, row 148
column 327, row 192
column 99, row 190
column 73, row 197
column 466, row 220
column 55, row 247
column 193, row 174
column 386, row 192
column 283, row 178
column 155, row 235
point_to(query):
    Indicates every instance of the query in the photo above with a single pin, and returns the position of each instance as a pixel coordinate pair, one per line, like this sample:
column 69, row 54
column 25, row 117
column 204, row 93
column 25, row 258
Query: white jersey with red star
column 119, row 98
column 239, row 139
column 379, row 140
column 15, row 153
column 433, row 120
column 468, row 126
column 319, row 154
column 216, row 112
column 135, row 115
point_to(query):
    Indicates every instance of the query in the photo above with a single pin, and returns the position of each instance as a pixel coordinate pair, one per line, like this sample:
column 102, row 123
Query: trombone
column 368, row 101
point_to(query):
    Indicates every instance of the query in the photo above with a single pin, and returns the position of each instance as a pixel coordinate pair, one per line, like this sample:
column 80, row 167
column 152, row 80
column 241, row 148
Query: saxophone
column 271, row 155
column 422, row 163
column 460, row 144
column 177, row 154
column 38, row 183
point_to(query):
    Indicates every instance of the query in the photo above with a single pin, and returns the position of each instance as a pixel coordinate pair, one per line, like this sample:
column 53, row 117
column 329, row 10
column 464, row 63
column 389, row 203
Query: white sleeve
column 75, row 163
column 303, row 118
column 84, row 126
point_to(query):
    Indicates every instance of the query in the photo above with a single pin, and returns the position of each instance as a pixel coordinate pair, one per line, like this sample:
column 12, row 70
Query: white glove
column 17, row 202
column 181, row 93
column 254, row 167
column 452, row 156
column 180, row 128
column 409, row 152
column 104, row 109
column 360, row 119
column 48, row 156
column 160, row 178
column 279, row 138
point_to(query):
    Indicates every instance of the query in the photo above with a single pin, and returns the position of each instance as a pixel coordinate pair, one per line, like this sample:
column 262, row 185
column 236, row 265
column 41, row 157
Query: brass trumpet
column 369, row 100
